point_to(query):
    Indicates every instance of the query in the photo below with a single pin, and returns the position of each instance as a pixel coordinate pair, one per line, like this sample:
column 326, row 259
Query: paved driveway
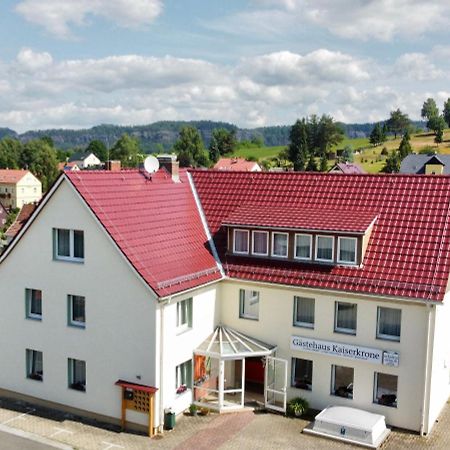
column 239, row 431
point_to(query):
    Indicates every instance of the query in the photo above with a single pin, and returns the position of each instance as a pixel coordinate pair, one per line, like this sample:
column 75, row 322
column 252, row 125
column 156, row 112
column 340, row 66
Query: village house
column 82, row 160
column 18, row 187
column 3, row 216
column 237, row 164
column 216, row 287
column 426, row 164
column 347, row 168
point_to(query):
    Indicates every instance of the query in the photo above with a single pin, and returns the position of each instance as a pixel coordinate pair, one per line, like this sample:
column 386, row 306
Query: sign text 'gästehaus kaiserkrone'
column 372, row 355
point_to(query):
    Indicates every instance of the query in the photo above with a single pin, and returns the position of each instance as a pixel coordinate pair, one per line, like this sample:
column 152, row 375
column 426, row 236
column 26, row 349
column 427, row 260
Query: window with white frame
column 389, row 323
column 77, row 310
column 345, row 317
column 184, row 314
column 385, row 389
column 34, row 364
column 183, row 377
column 248, row 304
column 240, row 241
column 324, row 248
column 303, row 246
column 304, row 312
column 68, row 244
column 280, row 242
column 77, row 374
column 33, row 304
column 342, row 381
column 302, row 372
column 347, row 250
column 260, row 243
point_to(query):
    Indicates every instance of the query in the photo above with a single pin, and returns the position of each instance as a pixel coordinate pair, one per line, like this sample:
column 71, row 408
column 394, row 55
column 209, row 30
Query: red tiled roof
column 11, row 175
column 235, row 164
column 409, row 250
column 342, row 220
column 21, row 219
column 155, row 223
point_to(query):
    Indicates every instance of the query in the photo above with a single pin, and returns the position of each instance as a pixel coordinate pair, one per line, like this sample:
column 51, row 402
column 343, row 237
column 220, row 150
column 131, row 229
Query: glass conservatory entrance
column 219, row 368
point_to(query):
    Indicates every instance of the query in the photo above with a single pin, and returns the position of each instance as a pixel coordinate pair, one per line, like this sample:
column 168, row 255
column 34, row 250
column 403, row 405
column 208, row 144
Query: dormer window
column 303, row 246
column 280, row 244
column 260, row 244
column 347, row 250
column 325, row 248
column 241, row 242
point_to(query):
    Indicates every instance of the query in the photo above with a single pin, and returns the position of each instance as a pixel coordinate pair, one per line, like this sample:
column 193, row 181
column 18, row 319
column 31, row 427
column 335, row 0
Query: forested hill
column 161, row 136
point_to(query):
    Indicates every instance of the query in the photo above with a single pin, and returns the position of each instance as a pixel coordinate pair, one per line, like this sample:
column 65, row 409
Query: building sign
column 372, row 355
column 390, row 359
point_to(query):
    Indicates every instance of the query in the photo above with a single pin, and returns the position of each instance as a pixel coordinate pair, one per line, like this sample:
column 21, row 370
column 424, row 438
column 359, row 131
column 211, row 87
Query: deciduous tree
column 429, row 109
column 446, row 112
column 190, row 148
column 127, row 150
column 98, row 148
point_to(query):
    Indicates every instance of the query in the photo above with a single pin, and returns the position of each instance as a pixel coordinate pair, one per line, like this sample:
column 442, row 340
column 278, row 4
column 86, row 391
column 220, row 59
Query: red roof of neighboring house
column 21, row 219
column 341, row 220
column 155, row 223
column 235, row 164
column 349, row 168
column 9, row 176
column 408, row 254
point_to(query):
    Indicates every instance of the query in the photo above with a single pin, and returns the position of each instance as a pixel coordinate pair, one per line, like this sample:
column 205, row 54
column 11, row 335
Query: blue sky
column 76, row 64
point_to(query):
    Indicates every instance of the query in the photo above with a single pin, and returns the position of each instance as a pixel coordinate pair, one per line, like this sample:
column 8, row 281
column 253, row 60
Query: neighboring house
column 426, row 164
column 237, row 164
column 229, row 285
column 3, row 216
column 347, row 168
column 84, row 160
column 21, row 219
column 18, row 187
column 68, row 167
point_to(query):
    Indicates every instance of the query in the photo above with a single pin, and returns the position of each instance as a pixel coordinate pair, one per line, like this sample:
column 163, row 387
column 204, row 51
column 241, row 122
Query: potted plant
column 297, row 406
column 193, row 409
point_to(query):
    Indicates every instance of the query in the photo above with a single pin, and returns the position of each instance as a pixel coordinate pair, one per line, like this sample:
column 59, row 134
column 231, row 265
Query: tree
column 384, row 132
column 392, row 163
column 40, row 158
column 405, row 147
column 257, row 140
column 329, row 134
column 347, row 154
column 127, row 150
column 323, row 163
column 398, row 122
column 312, row 165
column 98, row 148
column 10, row 150
column 190, row 149
column 223, row 142
column 446, row 112
column 376, row 136
column 429, row 109
column 298, row 147
column 437, row 125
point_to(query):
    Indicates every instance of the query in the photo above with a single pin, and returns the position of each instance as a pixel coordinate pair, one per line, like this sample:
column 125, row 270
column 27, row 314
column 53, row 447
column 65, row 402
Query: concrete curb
column 34, row 437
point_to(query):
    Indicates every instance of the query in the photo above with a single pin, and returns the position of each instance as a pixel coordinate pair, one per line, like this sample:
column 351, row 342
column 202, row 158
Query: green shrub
column 297, row 406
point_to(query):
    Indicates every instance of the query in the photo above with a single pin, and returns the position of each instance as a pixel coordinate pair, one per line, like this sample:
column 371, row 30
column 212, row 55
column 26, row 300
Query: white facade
column 27, row 190
column 89, row 161
column 129, row 334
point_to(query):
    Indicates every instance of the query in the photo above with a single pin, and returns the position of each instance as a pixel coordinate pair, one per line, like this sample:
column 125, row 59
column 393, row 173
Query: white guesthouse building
column 219, row 287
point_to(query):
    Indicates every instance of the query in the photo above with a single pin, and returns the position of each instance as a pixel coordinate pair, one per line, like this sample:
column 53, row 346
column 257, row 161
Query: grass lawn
column 368, row 157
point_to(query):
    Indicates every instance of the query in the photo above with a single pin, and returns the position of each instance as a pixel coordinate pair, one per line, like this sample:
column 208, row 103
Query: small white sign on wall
column 390, row 359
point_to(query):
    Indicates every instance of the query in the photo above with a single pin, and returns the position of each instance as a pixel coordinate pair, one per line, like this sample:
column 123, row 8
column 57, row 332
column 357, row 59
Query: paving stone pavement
column 238, row 431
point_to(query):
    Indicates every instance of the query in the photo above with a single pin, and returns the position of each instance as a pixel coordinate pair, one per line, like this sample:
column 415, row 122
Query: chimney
column 170, row 163
column 113, row 165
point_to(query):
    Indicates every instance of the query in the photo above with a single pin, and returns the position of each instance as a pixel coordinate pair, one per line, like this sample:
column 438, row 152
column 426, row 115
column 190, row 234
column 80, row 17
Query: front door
column 275, row 384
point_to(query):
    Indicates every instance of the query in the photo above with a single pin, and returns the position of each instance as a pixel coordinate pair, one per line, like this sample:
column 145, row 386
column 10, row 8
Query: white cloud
column 365, row 19
column 39, row 91
column 58, row 16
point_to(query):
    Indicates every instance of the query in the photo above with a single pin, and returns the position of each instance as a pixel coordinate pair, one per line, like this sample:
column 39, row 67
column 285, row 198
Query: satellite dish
column 151, row 164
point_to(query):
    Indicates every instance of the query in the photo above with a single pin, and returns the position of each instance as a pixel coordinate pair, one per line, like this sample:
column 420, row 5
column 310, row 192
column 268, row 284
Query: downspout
column 161, row 362
column 426, row 390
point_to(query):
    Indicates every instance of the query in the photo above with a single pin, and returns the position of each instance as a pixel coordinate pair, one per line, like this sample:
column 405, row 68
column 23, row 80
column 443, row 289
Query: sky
column 81, row 63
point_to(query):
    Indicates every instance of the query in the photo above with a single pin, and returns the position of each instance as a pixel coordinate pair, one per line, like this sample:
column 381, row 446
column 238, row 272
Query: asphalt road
column 11, row 442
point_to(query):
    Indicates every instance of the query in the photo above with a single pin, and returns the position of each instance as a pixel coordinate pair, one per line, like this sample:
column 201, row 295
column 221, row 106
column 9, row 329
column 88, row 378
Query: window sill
column 308, row 388
column 388, row 338
column 303, row 325
column 77, row 387
column 77, row 325
column 70, row 260
column 182, row 330
column 184, row 393
column 256, row 319
column 35, row 318
column 35, row 377
column 345, row 331
column 384, row 404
